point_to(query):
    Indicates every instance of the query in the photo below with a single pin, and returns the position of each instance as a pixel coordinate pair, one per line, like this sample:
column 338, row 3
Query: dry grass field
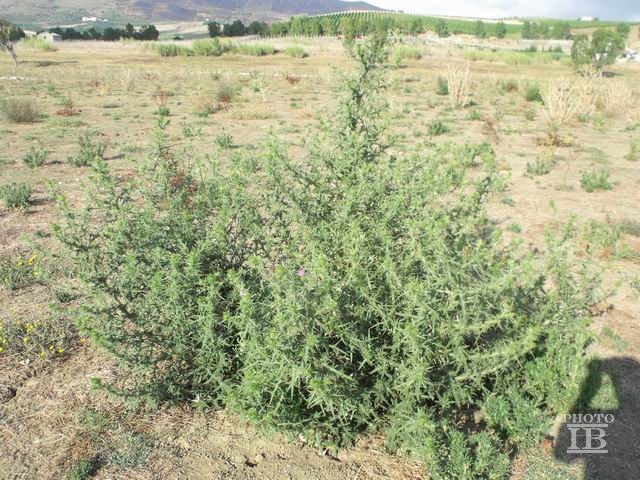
column 54, row 425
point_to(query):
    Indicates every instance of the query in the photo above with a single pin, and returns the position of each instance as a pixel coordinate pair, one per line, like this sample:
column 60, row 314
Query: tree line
column 109, row 34
column 358, row 24
column 349, row 25
column 237, row 29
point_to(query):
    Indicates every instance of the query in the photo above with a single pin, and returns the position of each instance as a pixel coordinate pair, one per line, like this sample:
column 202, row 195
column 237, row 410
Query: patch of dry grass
column 20, row 110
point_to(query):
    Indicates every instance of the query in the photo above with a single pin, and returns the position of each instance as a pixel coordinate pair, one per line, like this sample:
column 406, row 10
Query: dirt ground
column 51, row 418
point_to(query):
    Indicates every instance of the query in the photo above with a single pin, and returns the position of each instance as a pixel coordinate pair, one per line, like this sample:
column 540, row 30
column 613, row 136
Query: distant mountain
column 71, row 11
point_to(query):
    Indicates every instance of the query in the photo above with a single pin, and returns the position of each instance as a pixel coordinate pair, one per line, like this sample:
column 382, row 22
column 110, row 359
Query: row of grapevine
column 356, row 23
column 363, row 22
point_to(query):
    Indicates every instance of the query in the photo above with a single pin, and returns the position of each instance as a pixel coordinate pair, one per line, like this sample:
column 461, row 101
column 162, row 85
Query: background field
column 54, row 420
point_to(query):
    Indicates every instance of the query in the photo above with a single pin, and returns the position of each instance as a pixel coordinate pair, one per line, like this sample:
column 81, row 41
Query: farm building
column 50, row 37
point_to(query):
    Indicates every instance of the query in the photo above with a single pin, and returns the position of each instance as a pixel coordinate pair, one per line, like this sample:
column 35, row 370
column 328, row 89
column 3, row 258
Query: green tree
column 236, row 29
column 442, row 28
column 280, row 29
column 415, row 26
column 545, row 31
column 535, row 31
column 479, row 30
column 348, row 29
column 526, row 30
column 328, row 26
column 129, row 30
column 149, row 32
column 603, row 49
column 623, row 29
column 581, row 51
column 563, row 31
column 606, row 46
column 110, row 34
column 501, row 29
column 314, row 27
column 299, row 25
column 7, row 33
column 215, row 29
column 257, row 28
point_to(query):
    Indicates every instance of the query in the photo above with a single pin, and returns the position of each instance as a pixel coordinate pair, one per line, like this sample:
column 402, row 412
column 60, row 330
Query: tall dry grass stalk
column 459, row 80
column 586, row 96
column 614, row 98
column 589, row 71
column 127, row 79
column 565, row 99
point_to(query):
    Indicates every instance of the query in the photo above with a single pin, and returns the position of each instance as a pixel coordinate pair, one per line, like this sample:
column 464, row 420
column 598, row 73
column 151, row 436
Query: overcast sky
column 604, row 9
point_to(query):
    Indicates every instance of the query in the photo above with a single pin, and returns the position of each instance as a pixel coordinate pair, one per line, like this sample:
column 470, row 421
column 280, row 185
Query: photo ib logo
column 588, row 432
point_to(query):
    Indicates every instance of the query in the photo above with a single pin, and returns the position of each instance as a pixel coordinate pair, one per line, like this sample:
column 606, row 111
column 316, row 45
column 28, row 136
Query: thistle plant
column 346, row 293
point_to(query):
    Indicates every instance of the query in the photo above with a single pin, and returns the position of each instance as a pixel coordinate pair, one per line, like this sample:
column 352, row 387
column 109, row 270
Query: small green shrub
column 255, row 49
column 508, row 86
column 595, row 180
column 603, row 235
column 173, row 50
column 634, row 150
column 35, row 158
column 224, row 140
column 22, row 271
column 163, row 111
column 532, row 93
column 132, row 450
column 606, row 237
column 600, row 122
column 39, row 339
column 542, row 165
column 437, row 127
column 209, row 48
column 226, row 92
column 89, row 152
column 36, row 43
column 528, row 57
column 16, row 195
column 442, row 87
column 83, row 469
column 405, row 52
column 20, row 110
column 613, row 339
column 205, row 105
column 630, row 227
column 295, row 51
column 474, row 115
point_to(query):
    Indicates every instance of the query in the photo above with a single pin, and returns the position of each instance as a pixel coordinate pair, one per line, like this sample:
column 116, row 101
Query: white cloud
column 612, row 9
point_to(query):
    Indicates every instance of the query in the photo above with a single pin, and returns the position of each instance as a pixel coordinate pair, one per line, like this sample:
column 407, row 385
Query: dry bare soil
column 52, row 424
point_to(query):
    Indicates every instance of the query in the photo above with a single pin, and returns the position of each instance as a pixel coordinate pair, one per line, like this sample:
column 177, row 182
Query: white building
column 89, row 19
column 587, row 19
column 50, row 37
